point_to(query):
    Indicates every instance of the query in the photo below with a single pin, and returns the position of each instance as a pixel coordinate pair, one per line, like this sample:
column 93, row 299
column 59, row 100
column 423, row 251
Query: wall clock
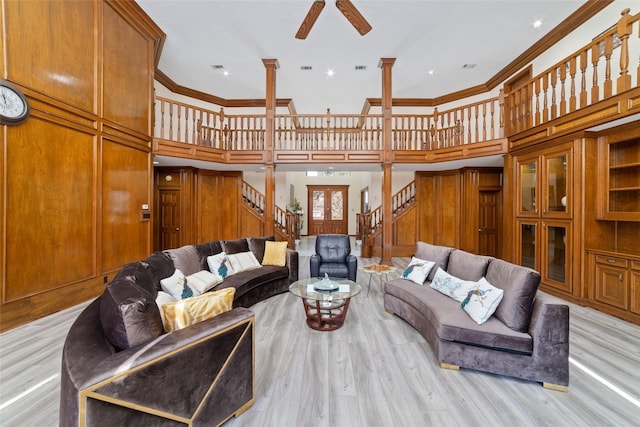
column 14, row 108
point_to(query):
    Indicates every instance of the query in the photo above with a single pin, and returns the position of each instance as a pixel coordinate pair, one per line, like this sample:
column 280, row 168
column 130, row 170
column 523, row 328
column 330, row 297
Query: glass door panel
column 528, row 238
column 337, row 206
column 556, row 268
column 318, row 205
column 528, row 187
column 556, row 184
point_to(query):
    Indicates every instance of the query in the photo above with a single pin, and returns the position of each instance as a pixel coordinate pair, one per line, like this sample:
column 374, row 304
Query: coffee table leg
column 369, row 287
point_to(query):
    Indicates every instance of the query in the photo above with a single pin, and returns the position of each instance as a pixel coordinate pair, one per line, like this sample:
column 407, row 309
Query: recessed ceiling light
column 330, row 72
column 225, row 73
column 536, row 24
column 431, row 72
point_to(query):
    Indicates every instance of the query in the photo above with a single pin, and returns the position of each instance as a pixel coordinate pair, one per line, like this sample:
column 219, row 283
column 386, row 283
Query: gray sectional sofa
column 120, row 368
column 527, row 337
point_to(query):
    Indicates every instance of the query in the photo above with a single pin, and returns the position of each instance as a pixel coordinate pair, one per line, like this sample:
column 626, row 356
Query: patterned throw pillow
column 452, row 286
column 219, row 264
column 186, row 312
column 243, row 261
column 418, row 270
column 482, row 301
column 203, row 280
column 176, row 286
column 275, row 253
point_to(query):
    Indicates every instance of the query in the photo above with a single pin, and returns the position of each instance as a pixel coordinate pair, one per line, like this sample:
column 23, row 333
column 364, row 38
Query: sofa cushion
column 203, row 280
column 467, row 266
column 235, row 246
column 417, row 270
column 219, row 264
column 243, row 261
column 452, row 286
column 482, row 301
column 275, row 253
column 186, row 312
column 451, row 323
column 185, row 259
column 129, row 314
column 205, row 250
column 437, row 254
column 176, row 285
column 257, row 245
column 520, row 285
column 159, row 265
column 247, row 280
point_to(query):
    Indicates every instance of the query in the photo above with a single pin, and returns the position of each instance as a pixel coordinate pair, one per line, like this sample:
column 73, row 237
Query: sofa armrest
column 352, row 266
column 549, row 329
column 314, row 265
column 292, row 265
column 215, row 355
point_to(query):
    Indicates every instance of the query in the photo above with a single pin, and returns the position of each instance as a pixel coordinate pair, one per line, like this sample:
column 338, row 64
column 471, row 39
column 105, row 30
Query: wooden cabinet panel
column 440, row 200
column 612, row 286
column 128, row 68
column 51, row 48
column 208, row 209
column 635, row 287
column 125, row 184
column 426, row 191
column 49, row 196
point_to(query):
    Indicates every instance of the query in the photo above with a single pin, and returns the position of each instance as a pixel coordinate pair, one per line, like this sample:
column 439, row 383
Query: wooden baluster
column 484, row 120
column 515, row 106
column 608, row 50
column 572, row 73
column 563, row 78
column 162, row 119
column 554, row 81
column 638, row 71
column 536, row 89
column 492, row 111
column 476, row 130
column 624, row 30
column 583, row 79
column 595, row 58
column 545, row 90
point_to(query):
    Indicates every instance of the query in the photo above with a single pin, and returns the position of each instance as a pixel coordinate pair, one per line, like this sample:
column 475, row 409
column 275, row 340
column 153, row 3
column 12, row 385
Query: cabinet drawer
column 609, row 260
column 635, row 265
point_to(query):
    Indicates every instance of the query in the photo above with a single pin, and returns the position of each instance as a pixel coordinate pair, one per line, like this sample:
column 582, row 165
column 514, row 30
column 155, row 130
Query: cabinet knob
column 620, row 277
column 611, row 260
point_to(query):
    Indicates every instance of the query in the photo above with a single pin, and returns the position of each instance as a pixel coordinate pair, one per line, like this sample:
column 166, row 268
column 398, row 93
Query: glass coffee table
column 327, row 308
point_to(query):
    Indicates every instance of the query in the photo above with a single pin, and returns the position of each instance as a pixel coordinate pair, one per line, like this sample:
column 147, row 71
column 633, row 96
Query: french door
column 328, row 208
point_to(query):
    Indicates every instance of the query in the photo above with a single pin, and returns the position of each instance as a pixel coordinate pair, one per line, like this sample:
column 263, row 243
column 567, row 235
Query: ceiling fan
column 345, row 6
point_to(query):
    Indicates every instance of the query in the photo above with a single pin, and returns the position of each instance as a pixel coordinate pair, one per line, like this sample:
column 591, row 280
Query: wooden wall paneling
column 125, row 188
column 127, row 73
column 230, row 190
column 251, row 224
column 470, row 220
column 448, row 206
column 51, row 47
column 509, row 224
column 207, row 205
column 425, row 196
column 50, row 188
column 405, row 233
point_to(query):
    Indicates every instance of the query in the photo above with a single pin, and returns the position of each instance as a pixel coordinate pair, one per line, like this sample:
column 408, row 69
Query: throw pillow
column 417, row 270
column 437, row 254
column 256, row 245
column 452, row 286
column 219, row 264
column 162, row 299
column 203, row 280
column 185, row 259
column 186, row 312
column 275, row 253
column 176, row 286
column 243, row 261
column 482, row 301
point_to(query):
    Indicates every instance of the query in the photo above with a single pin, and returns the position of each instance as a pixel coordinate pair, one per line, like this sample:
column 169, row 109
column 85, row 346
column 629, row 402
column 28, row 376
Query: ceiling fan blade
column 354, row 16
column 310, row 19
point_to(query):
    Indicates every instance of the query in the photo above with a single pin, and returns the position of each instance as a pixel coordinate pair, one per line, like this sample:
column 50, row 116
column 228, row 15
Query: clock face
column 14, row 108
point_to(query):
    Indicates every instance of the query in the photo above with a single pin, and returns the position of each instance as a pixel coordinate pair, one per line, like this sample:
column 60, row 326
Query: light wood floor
column 374, row 371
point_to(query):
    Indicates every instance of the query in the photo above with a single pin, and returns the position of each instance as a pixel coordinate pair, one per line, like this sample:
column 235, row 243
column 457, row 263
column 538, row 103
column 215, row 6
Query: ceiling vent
column 361, row 67
column 218, row 67
column 306, row 67
column 469, row 66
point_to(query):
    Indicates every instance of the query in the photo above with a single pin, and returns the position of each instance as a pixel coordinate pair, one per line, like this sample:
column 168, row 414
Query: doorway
column 328, row 209
column 169, row 218
column 488, row 220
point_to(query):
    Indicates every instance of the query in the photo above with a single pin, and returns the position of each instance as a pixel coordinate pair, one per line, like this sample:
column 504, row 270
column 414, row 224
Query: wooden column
column 387, row 209
column 269, row 175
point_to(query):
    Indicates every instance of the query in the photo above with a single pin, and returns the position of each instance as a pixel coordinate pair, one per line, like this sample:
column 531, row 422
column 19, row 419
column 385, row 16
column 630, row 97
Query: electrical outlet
column 105, row 279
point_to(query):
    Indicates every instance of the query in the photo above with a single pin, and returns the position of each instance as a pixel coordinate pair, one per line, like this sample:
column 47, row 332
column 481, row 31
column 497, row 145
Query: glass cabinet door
column 556, row 267
column 528, row 238
column 556, row 185
column 528, row 176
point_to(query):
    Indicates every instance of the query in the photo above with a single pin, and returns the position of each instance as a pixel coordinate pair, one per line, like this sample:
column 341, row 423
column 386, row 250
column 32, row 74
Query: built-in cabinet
column 544, row 214
column 619, row 188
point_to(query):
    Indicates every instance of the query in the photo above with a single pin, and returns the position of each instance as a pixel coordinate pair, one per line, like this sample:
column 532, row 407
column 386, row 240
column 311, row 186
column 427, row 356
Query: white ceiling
column 423, row 35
